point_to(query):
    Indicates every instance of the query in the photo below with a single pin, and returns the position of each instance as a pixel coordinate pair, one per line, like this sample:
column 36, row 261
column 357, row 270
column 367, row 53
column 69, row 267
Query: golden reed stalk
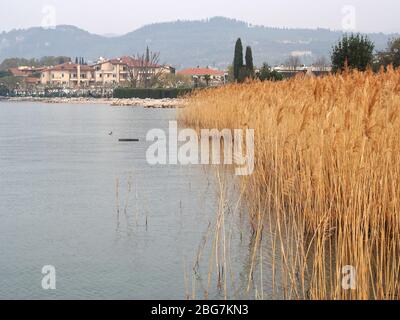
column 327, row 177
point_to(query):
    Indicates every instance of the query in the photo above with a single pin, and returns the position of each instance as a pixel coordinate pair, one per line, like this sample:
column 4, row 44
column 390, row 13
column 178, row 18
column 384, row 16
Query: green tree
column 45, row 61
column 231, row 77
column 10, row 83
column 267, row 74
column 354, row 52
column 3, row 90
column 249, row 62
column 51, row 61
column 4, row 74
column 207, row 79
column 392, row 54
column 244, row 74
column 238, row 60
column 17, row 62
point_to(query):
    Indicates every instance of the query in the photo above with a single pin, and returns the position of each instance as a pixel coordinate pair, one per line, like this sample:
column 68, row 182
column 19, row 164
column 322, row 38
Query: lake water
column 114, row 227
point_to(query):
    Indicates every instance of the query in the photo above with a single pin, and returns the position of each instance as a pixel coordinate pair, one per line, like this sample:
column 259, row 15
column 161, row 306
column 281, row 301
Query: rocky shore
column 134, row 102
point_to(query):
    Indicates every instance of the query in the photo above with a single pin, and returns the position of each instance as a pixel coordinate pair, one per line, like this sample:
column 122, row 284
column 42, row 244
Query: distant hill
column 181, row 43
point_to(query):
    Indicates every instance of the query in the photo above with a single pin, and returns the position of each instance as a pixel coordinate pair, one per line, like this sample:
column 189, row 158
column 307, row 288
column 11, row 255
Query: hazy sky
column 121, row 16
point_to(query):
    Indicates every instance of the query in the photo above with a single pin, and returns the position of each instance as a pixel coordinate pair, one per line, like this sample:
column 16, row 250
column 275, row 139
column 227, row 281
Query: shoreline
column 114, row 102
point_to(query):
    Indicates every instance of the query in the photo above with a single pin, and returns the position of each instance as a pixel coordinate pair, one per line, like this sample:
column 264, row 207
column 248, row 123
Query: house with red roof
column 26, row 75
column 24, row 71
column 120, row 70
column 111, row 71
column 68, row 75
column 106, row 72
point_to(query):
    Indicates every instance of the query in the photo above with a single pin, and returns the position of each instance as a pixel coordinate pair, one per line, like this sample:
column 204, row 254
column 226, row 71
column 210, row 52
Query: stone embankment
column 134, row 102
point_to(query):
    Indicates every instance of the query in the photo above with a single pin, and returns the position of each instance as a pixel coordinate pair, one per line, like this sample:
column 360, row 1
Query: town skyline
column 334, row 15
column 181, row 44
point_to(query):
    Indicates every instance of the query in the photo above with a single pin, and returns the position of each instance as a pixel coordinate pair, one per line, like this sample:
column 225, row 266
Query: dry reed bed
column 327, row 177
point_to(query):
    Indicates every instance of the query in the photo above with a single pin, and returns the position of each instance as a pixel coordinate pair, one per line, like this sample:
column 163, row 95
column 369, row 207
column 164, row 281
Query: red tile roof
column 24, row 71
column 201, row 72
column 70, row 67
column 128, row 61
column 132, row 62
column 16, row 72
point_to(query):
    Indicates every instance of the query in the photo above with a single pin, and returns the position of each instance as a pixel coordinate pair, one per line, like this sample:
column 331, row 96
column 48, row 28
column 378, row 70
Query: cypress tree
column 249, row 61
column 238, row 59
column 147, row 55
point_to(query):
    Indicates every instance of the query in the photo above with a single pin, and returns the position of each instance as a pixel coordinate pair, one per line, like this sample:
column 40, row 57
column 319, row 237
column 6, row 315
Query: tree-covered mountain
column 181, row 43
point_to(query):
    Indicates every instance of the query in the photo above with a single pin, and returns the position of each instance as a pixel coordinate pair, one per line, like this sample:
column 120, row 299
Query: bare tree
column 321, row 63
column 132, row 76
column 144, row 70
column 293, row 62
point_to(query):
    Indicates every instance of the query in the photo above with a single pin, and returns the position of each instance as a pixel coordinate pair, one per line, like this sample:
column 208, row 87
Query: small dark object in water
column 111, row 133
column 128, row 140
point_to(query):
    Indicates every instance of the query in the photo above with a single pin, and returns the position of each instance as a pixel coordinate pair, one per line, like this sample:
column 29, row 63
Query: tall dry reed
column 326, row 188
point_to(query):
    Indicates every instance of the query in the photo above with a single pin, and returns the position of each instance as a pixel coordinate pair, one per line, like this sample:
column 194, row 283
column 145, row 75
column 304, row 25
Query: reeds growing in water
column 326, row 186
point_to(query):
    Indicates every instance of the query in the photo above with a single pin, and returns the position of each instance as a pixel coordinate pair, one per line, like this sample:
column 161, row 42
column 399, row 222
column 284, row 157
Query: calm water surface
column 114, row 227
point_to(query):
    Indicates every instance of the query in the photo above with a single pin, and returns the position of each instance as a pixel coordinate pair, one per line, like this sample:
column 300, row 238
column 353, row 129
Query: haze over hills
column 207, row 42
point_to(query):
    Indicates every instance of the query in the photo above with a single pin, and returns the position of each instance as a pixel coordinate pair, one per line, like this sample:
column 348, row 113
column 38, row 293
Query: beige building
column 109, row 72
column 121, row 70
column 68, row 75
column 104, row 73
